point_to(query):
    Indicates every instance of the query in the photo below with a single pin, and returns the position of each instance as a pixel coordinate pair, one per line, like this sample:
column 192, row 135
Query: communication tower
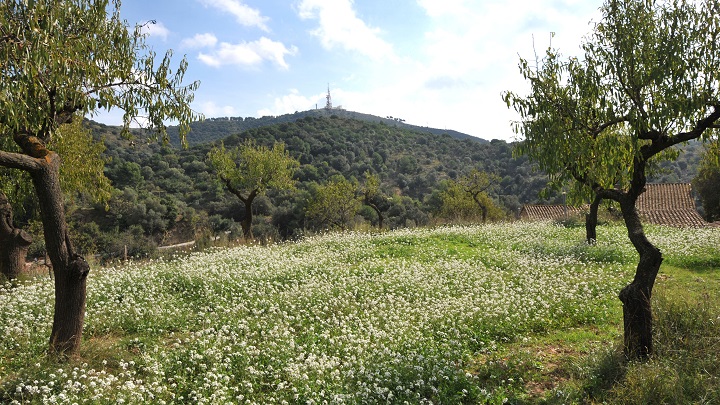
column 328, row 105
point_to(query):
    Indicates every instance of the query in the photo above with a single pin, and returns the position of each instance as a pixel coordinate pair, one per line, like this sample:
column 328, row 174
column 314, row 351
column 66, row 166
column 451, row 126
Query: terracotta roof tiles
column 661, row 204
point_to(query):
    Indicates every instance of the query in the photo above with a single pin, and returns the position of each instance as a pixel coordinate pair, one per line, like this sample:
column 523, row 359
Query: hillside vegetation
column 505, row 313
column 166, row 194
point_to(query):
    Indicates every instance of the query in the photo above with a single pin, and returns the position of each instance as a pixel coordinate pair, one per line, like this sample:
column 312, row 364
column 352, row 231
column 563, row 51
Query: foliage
column 648, row 77
column 334, row 204
column 81, row 173
column 59, row 58
column 83, row 166
column 457, row 204
column 707, row 184
column 251, row 167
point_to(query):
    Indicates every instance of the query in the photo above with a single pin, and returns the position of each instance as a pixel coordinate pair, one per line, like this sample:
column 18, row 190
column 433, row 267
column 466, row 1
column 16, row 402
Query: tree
column 373, row 197
column 707, row 184
column 334, row 204
column 82, row 173
column 14, row 242
column 649, row 80
column 250, row 170
column 59, row 59
column 477, row 184
column 457, row 204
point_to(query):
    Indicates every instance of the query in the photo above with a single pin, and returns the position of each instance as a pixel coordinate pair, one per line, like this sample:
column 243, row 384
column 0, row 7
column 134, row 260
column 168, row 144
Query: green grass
column 507, row 313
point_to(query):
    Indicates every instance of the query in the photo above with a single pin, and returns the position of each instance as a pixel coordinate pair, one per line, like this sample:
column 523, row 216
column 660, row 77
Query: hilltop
column 213, row 129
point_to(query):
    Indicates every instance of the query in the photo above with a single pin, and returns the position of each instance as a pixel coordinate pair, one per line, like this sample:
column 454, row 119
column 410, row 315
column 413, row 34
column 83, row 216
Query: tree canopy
column 249, row 170
column 60, row 59
column 648, row 79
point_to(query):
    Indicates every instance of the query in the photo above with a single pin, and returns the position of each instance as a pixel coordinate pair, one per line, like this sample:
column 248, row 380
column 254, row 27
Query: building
column 660, row 204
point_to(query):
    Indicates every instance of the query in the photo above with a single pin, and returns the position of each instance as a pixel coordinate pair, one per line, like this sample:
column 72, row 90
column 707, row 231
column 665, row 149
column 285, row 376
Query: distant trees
column 707, row 184
column 334, row 204
column 477, row 184
column 648, row 80
column 373, row 197
column 62, row 58
column 250, row 170
column 467, row 198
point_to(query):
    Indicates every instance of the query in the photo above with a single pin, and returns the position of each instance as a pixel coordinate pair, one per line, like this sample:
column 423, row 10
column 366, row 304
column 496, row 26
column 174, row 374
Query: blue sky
column 437, row 63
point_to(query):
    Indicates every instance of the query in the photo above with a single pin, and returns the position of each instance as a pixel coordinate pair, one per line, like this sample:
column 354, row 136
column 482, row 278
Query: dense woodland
column 166, row 194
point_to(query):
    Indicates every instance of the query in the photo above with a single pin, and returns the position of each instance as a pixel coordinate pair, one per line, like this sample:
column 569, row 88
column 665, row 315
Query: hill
column 168, row 195
column 214, row 129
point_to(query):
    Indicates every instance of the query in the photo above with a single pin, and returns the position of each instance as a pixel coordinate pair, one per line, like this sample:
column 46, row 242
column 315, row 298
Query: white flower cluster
column 338, row 318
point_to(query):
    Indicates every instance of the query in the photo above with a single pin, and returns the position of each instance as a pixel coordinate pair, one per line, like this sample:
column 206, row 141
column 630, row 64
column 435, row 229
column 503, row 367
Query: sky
column 436, row 63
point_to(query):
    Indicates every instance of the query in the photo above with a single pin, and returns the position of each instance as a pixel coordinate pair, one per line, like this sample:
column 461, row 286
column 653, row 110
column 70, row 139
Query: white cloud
column 340, row 26
column 210, row 109
column 436, row 8
column 249, row 54
column 289, row 103
column 155, row 29
column 245, row 15
column 206, row 40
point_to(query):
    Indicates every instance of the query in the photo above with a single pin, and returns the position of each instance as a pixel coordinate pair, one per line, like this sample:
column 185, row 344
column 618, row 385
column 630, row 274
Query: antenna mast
column 328, row 105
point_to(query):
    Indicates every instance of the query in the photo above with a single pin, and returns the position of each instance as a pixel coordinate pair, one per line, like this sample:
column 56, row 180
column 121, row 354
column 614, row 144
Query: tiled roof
column 661, row 204
column 669, row 204
column 540, row 212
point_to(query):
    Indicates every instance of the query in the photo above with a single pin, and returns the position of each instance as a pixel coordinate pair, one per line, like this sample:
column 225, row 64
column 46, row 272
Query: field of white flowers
column 342, row 318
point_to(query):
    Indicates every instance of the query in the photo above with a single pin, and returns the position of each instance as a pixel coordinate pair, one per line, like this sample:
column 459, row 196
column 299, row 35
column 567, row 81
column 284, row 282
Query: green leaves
column 646, row 82
column 254, row 167
column 62, row 57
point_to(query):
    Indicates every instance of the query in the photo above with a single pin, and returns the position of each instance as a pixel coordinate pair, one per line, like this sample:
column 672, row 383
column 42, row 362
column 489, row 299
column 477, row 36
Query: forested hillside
column 165, row 194
column 214, row 129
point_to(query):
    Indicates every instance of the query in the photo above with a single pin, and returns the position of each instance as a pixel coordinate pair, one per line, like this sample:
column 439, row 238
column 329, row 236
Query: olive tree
column 648, row 79
column 60, row 58
column 249, row 170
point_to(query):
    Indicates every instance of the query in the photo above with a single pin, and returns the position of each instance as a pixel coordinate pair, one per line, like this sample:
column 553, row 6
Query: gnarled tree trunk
column 246, row 222
column 375, row 208
column 70, row 269
column 637, row 313
column 14, row 242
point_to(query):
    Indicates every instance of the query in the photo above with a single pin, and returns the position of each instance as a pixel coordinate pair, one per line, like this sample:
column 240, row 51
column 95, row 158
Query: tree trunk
column 637, row 313
column 377, row 211
column 14, row 242
column 70, row 269
column 591, row 221
column 246, row 222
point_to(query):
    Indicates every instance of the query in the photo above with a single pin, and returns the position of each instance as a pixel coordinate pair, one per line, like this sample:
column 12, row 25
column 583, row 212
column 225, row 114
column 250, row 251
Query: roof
column 661, row 204
column 541, row 212
column 669, row 204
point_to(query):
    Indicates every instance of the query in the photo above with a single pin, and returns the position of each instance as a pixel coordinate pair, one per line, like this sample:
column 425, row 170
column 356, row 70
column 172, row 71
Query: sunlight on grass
column 445, row 315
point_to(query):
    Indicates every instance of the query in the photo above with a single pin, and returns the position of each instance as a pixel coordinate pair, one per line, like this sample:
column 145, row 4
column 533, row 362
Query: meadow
column 503, row 313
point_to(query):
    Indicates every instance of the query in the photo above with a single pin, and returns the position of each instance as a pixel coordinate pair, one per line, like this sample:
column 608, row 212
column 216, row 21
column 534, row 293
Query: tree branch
column 19, row 161
column 661, row 143
column 597, row 130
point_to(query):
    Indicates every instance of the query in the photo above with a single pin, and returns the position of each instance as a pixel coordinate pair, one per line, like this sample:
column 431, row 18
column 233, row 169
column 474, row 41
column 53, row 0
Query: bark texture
column 636, row 296
column 14, row 242
column 591, row 221
column 70, row 269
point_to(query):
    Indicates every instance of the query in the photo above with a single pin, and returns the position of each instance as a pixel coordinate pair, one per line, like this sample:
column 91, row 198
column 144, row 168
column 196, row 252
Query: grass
column 507, row 313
